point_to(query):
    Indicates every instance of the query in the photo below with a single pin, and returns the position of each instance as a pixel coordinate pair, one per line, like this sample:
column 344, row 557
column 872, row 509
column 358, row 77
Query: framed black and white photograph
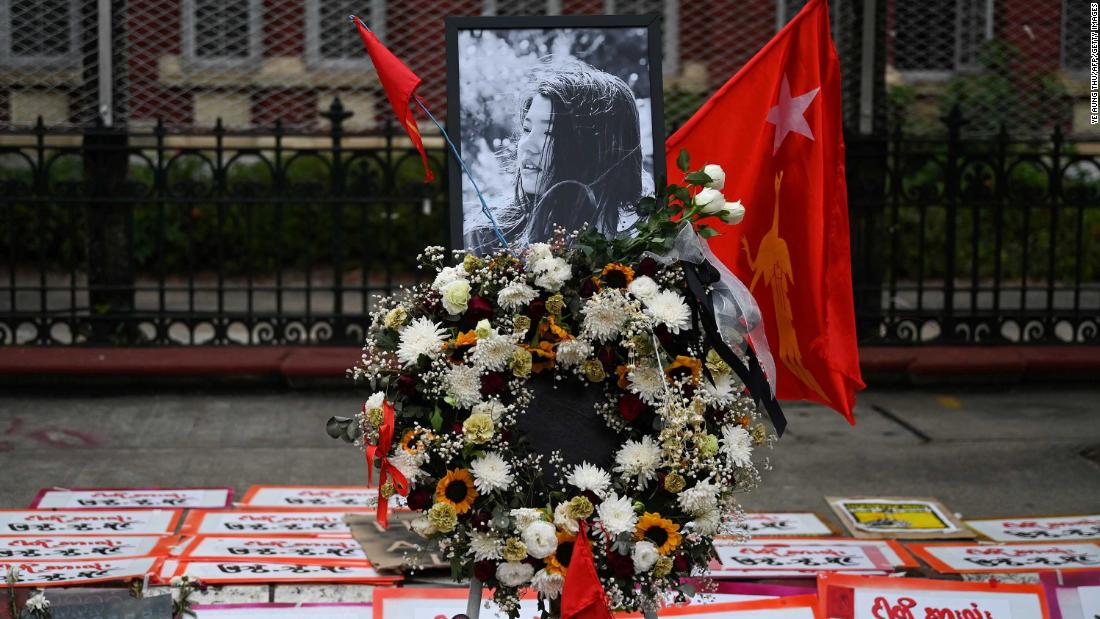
column 559, row 120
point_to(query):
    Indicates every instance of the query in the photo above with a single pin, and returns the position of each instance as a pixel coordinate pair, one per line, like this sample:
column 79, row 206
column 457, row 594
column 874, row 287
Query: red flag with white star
column 775, row 127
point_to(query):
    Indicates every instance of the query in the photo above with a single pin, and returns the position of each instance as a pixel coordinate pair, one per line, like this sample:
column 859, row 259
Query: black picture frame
column 454, row 25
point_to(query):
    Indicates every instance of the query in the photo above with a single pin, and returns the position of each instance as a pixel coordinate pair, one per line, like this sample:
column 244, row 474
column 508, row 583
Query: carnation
column 524, row 516
column 617, row 514
column 701, row 498
column 669, row 308
column 644, row 555
column 638, row 459
column 548, row 584
column 514, row 574
column 463, row 384
column 515, row 295
column 478, row 428
column 737, row 445
column 541, row 539
column 552, row 273
column 491, row 472
column 485, row 546
column 420, row 337
column 643, row 287
column 589, row 477
column 564, row 520
column 572, row 353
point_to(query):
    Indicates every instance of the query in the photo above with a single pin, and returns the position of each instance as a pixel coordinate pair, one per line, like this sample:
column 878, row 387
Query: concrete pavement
column 1013, row 451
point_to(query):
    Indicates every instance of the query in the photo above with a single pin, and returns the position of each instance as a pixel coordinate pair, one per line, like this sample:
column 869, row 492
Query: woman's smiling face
column 533, row 152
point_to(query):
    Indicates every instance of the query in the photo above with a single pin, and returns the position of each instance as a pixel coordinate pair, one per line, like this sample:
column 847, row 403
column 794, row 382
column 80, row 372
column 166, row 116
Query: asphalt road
column 1021, row 451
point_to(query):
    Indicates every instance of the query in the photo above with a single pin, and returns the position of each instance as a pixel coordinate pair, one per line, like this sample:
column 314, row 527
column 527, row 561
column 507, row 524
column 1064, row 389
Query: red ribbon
column 385, row 469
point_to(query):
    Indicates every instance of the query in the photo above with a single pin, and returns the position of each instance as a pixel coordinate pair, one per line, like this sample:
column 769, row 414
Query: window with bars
column 521, row 7
column 1075, row 35
column 222, row 32
column 331, row 41
column 938, row 37
column 39, row 31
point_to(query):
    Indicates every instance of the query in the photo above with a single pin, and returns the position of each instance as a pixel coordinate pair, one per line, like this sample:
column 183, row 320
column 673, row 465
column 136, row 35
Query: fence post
column 954, row 121
column 336, row 115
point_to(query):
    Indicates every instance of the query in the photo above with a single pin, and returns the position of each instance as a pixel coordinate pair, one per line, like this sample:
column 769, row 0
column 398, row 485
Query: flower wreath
column 451, row 364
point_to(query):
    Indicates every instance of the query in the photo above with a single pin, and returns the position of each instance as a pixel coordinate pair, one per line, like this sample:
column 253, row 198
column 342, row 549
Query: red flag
column 400, row 84
column 582, row 595
column 775, row 127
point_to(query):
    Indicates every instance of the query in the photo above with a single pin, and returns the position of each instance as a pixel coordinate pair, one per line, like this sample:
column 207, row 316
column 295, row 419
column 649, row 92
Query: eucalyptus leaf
column 707, row 232
column 386, row 340
column 437, row 419
column 335, row 426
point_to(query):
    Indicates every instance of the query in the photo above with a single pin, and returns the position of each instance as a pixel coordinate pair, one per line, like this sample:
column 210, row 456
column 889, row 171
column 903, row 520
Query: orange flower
column 457, row 347
column 617, row 275
column 624, row 381
column 542, row 356
column 415, row 440
column 682, row 367
column 551, row 331
column 558, row 562
column 457, row 490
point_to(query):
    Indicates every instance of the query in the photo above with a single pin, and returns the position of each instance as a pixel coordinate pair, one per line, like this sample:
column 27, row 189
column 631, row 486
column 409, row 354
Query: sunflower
column 662, row 532
column 542, row 356
column 558, row 562
column 617, row 275
column 415, row 440
column 682, row 367
column 457, row 490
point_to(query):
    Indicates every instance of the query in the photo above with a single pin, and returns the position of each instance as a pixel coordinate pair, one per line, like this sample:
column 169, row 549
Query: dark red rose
column 478, row 309
column 536, row 310
column 607, row 357
column 592, row 497
column 630, row 406
column 681, row 563
column 505, row 435
column 485, row 570
column 456, row 427
column 663, row 335
column 480, row 520
column 406, row 385
column 588, row 288
column 420, row 499
column 647, row 267
column 493, row 383
column 621, row 566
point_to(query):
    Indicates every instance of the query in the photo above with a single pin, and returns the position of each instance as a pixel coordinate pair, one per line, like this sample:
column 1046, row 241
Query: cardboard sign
column 99, row 522
column 432, row 603
column 82, row 547
column 64, row 573
column 115, row 498
column 772, row 555
column 242, row 572
column 297, row 611
column 994, row 558
column 277, row 549
column 1039, row 529
column 268, row 522
column 1072, row 595
column 844, row 596
column 798, row 524
column 894, row 517
column 309, row 496
column 157, row 607
column 397, row 546
column 795, row 607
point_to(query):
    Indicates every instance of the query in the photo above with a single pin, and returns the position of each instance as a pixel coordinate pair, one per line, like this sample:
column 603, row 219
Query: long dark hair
column 594, row 167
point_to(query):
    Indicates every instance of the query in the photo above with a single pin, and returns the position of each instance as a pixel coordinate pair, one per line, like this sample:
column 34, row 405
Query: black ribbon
column 699, row 277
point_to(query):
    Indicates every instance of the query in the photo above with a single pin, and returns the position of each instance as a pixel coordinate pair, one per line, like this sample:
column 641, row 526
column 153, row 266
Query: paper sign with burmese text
column 950, row 558
column 796, row 524
column 434, row 603
column 116, row 498
column 845, row 596
column 897, row 517
column 1072, row 595
column 66, row 573
column 783, row 555
column 93, row 522
column 893, row 552
column 269, row 522
column 273, row 611
column 1039, row 529
column 309, row 496
column 67, row 547
column 290, row 548
column 255, row 572
column 795, row 607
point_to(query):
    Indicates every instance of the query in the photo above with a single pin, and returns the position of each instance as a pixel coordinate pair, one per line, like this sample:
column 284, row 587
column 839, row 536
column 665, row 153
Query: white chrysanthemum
column 515, row 294
column 604, row 314
column 724, row 386
column 448, row 275
column 538, row 251
column 563, row 521
column 590, row 477
column 420, row 337
column 699, row 499
column 423, row 527
column 706, row 523
column 572, row 353
column 37, row 602
column 737, row 445
column 484, row 546
column 667, row 307
column 551, row 273
column 548, row 584
column 643, row 287
column 463, row 383
column 375, row 400
column 647, row 383
column 645, row 555
column 491, row 472
column 514, row 574
column 638, row 459
column 408, row 464
column 524, row 516
column 541, row 539
column 493, row 408
column 493, row 352
column 617, row 514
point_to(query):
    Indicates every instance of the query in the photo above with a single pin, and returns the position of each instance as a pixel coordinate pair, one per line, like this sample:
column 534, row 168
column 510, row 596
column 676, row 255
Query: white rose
column 734, row 212
column 644, row 555
column 717, row 176
column 541, row 539
column 456, row 296
column 514, row 573
column 643, row 287
column 483, row 329
column 710, row 201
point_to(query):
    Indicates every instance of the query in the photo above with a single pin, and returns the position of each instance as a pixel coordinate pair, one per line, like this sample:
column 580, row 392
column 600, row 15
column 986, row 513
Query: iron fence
column 253, row 238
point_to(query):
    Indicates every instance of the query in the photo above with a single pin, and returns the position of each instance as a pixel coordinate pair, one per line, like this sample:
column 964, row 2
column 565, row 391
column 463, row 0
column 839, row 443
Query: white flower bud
column 734, row 212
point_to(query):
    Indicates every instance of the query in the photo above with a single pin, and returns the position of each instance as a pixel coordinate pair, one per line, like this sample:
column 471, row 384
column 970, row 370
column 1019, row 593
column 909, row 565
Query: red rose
column 536, row 310
column 588, row 288
column 485, row 570
column 478, row 309
column 420, row 499
column 630, row 406
column 606, row 356
column 681, row 563
column 406, row 385
column 647, row 267
column 493, row 383
column 621, row 566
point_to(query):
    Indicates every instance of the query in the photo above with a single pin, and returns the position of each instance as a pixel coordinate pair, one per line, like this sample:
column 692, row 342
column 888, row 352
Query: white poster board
column 116, row 498
column 95, row 522
column 1040, row 529
column 63, row 573
column 82, row 547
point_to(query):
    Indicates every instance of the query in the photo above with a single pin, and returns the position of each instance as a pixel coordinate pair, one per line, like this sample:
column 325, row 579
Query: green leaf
column 437, row 419
column 707, row 232
column 698, row 178
column 683, row 160
column 386, row 340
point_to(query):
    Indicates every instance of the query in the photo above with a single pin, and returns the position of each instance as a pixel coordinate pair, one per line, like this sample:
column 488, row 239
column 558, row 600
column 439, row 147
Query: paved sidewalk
column 1012, row 451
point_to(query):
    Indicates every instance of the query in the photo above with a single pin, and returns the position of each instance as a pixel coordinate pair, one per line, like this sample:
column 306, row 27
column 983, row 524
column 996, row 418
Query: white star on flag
column 787, row 114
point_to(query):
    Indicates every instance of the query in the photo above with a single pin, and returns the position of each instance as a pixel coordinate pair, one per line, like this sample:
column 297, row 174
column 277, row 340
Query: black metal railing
column 264, row 237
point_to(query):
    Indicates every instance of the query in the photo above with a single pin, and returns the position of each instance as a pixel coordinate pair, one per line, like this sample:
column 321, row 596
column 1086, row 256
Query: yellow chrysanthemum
column 457, row 490
column 662, row 532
